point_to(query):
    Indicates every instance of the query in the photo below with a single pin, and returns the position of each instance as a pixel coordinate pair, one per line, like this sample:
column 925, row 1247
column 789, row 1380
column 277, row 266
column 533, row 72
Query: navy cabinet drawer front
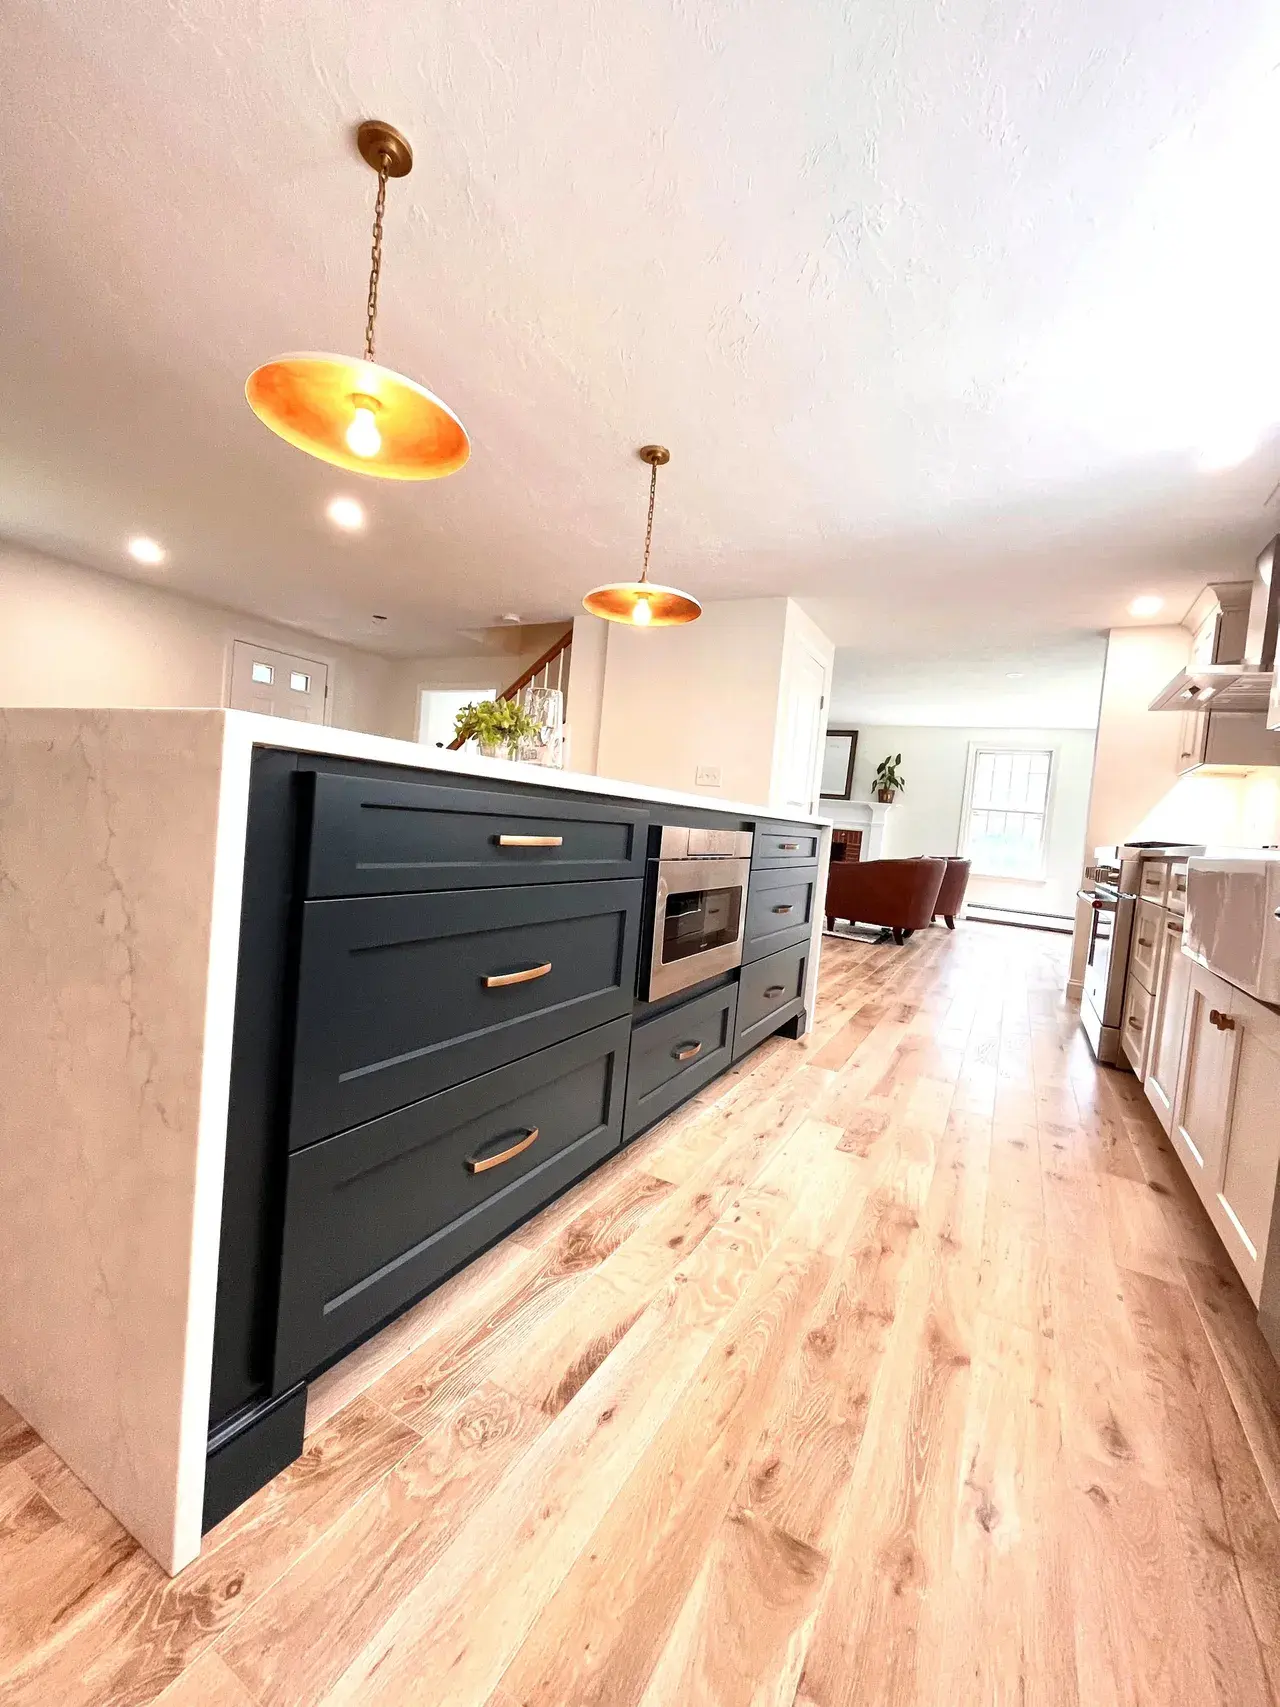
column 770, row 993
column 376, row 1216
column 785, row 844
column 374, row 837
column 400, row 996
column 779, row 910
column 676, row 1054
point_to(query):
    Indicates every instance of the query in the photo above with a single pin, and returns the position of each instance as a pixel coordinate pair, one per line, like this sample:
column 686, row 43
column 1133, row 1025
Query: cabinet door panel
column 1168, row 1022
column 1145, row 948
column 1253, row 1143
column 1204, row 1088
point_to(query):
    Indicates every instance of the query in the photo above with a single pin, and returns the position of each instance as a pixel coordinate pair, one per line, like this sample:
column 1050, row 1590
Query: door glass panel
column 298, row 682
column 263, row 673
column 700, row 919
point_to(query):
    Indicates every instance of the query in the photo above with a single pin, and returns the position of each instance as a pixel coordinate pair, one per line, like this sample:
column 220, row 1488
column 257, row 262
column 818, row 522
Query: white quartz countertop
column 255, row 729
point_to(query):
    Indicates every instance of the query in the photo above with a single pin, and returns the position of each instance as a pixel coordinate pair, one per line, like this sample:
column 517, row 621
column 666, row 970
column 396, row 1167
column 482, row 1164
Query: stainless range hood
column 1241, row 670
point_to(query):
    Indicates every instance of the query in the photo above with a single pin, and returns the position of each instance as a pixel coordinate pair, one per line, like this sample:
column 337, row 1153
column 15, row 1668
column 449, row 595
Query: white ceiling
column 934, row 304
column 1053, row 685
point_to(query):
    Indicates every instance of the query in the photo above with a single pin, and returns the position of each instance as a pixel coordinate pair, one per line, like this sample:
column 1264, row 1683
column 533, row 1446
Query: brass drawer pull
column 1223, row 1022
column 790, row 907
column 775, row 989
column 1146, row 942
column 1134, row 1024
column 482, row 1164
column 687, row 1051
column 500, row 980
column 530, row 841
column 788, row 847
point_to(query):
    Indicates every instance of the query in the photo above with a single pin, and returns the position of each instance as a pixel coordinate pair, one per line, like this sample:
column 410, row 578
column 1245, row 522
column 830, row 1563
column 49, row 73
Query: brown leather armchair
column 900, row 894
column 951, row 895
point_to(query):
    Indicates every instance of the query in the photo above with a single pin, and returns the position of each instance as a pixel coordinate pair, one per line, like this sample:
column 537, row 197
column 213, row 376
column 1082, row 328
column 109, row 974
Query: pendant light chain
column 648, row 532
column 375, row 259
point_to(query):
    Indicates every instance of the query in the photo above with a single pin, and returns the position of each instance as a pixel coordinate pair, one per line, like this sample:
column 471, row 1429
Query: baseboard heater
column 1058, row 923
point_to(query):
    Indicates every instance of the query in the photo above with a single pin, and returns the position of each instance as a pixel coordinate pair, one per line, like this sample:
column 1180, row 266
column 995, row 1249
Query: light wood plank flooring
column 902, row 1367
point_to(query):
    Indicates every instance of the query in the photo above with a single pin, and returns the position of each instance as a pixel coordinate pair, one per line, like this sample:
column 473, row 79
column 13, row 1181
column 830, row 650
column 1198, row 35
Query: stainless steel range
column 1118, row 885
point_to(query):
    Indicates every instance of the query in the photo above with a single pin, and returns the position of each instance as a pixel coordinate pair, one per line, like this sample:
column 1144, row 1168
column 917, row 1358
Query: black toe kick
column 249, row 1449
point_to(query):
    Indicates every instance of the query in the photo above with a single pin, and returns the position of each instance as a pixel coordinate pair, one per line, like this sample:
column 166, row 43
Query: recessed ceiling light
column 1014, row 675
column 144, row 550
column 346, row 513
column 1146, row 604
column 511, row 616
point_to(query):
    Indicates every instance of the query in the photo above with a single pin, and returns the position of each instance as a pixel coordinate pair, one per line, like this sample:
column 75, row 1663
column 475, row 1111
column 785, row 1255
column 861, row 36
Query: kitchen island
column 298, row 1021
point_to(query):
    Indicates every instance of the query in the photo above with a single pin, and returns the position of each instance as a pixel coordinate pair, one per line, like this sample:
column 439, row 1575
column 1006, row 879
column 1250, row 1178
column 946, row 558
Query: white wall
column 926, row 816
column 75, row 637
column 702, row 694
column 502, row 657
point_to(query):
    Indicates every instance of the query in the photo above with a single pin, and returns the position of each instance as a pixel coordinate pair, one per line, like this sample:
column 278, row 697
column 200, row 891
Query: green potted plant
column 497, row 726
column 888, row 779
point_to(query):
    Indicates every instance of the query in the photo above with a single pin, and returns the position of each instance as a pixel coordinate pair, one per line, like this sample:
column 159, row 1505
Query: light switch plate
column 707, row 776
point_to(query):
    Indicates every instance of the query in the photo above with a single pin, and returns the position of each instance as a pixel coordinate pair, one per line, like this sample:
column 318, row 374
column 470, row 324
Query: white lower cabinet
column 1226, row 1120
column 1168, row 1020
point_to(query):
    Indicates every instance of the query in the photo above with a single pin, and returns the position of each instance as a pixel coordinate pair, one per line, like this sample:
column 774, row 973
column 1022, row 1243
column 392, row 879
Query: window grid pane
column 1009, row 799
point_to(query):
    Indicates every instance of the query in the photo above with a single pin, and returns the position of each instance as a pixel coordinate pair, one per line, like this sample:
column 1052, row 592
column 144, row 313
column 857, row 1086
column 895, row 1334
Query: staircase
column 549, row 671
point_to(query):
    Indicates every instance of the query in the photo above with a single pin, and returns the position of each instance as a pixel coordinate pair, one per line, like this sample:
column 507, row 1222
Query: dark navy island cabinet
column 433, row 1038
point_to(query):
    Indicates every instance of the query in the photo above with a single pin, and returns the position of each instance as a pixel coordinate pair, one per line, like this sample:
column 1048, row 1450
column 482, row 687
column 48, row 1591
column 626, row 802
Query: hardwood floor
column 901, row 1367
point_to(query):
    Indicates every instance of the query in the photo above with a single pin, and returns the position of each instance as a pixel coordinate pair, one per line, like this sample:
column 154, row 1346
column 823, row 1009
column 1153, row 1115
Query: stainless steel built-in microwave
column 700, row 907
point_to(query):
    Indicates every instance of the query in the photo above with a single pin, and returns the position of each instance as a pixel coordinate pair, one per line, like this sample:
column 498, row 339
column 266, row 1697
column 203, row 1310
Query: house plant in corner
column 888, row 780
column 497, row 726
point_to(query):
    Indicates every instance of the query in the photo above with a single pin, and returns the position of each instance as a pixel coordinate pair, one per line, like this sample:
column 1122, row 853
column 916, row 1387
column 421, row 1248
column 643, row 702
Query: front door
column 279, row 683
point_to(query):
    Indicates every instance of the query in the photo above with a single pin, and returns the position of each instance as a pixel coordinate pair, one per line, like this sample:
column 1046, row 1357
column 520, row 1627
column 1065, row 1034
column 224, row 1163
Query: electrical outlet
column 707, row 776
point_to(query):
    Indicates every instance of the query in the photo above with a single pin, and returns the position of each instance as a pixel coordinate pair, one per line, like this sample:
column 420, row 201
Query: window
column 263, row 673
column 299, row 682
column 1007, row 812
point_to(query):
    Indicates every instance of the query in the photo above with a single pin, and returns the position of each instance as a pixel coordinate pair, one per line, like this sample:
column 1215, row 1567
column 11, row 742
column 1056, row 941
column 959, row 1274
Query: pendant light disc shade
column 310, row 400
column 616, row 601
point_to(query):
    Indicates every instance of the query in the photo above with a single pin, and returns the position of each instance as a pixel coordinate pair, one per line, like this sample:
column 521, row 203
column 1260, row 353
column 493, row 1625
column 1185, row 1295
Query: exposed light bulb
column 148, row 551
column 363, row 437
column 346, row 512
column 642, row 613
column 1146, row 604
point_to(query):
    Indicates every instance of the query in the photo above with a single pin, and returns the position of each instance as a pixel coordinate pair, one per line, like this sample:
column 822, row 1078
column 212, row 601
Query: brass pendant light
column 644, row 603
column 352, row 411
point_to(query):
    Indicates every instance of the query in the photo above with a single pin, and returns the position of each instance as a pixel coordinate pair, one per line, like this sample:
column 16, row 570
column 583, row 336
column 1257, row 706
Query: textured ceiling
column 933, row 302
column 1056, row 684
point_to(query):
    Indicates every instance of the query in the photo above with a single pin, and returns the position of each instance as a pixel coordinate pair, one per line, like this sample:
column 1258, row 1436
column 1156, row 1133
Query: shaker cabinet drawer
column 770, row 992
column 400, row 996
column 376, row 1216
column 1134, row 1025
column 1144, row 950
column 785, row 844
column 779, row 910
column 370, row 836
column 677, row 1053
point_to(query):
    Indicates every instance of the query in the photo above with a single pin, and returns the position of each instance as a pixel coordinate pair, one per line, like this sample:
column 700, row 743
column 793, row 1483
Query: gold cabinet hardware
column 789, row 907
column 482, row 1164
column 788, row 847
column 1146, row 942
column 1134, row 1024
column 1223, row 1022
column 775, row 989
column 500, row 980
column 530, row 841
column 687, row 1051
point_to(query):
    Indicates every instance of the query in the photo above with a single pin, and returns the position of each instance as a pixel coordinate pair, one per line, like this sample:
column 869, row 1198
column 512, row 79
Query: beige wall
column 75, row 637
column 673, row 699
column 927, row 816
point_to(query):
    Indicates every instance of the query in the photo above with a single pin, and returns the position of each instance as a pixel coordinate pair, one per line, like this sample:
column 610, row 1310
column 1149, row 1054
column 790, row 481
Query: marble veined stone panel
column 108, row 835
